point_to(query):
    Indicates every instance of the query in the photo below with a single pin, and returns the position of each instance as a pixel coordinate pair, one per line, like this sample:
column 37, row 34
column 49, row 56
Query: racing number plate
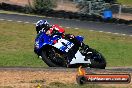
column 69, row 46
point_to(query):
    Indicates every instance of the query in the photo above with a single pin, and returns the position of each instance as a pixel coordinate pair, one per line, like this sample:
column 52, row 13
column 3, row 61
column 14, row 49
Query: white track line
column 19, row 21
column 49, row 17
column 26, row 22
column 59, row 18
column 108, row 32
column 2, row 19
column 9, row 20
column 123, row 34
column 91, row 30
column 101, row 31
column 68, row 27
column 115, row 33
column 76, row 28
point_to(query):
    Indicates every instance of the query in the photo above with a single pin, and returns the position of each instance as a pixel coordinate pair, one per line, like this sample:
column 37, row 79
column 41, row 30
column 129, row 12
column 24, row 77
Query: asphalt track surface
column 61, row 69
column 72, row 23
column 75, row 24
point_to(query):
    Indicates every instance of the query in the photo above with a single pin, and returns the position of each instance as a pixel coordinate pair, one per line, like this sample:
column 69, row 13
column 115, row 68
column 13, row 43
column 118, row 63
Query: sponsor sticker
column 83, row 77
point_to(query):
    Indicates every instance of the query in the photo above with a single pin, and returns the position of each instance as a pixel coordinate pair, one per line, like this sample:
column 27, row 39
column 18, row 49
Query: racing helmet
column 42, row 24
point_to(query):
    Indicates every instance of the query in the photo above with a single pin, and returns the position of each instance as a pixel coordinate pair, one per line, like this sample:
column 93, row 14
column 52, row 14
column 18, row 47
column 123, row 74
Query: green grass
column 17, row 40
column 125, row 2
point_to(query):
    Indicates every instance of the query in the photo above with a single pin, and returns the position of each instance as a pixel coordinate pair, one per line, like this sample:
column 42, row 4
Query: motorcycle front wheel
column 97, row 60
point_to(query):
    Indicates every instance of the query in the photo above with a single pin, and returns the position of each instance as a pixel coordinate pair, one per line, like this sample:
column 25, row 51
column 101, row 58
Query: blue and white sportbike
column 59, row 52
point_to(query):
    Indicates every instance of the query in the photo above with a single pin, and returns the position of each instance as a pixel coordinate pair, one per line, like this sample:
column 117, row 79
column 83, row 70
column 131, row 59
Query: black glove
column 56, row 32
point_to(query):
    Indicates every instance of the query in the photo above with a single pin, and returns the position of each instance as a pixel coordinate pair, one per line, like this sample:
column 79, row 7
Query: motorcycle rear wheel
column 50, row 58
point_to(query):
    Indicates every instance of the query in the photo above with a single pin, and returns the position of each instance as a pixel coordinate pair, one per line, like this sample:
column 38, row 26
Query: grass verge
column 16, row 43
column 17, row 40
column 125, row 2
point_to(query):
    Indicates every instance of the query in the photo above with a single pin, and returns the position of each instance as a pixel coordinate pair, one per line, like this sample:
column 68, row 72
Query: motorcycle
column 60, row 52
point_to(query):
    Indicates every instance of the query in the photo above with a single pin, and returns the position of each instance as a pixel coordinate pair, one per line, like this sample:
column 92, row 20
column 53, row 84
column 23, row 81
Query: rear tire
column 48, row 59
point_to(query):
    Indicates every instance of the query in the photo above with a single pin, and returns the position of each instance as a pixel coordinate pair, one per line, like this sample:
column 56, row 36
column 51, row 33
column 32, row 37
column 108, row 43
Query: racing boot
column 86, row 51
column 85, row 48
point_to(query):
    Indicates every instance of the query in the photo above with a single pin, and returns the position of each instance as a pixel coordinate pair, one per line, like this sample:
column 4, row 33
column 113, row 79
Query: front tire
column 97, row 60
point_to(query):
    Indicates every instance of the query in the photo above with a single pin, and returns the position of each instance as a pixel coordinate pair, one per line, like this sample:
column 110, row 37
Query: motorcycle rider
column 44, row 26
